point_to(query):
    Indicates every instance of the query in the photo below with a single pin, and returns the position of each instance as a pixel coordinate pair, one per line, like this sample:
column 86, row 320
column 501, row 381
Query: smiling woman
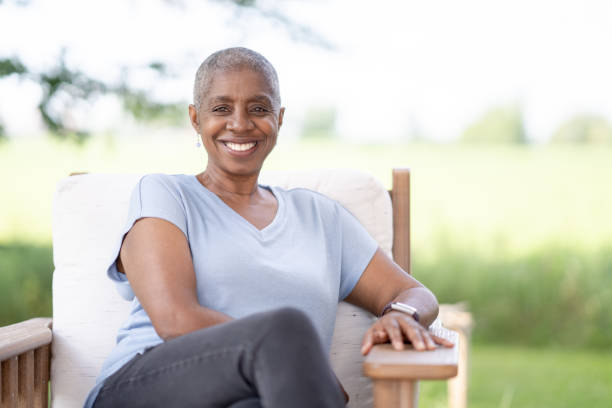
column 235, row 285
column 237, row 114
column 238, row 122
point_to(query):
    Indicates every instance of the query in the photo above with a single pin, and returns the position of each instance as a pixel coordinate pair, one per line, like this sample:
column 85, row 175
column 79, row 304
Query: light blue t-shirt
column 309, row 257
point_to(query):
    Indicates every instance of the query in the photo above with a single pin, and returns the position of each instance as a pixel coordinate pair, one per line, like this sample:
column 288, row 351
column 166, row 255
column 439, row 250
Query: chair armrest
column 383, row 362
column 24, row 336
column 396, row 373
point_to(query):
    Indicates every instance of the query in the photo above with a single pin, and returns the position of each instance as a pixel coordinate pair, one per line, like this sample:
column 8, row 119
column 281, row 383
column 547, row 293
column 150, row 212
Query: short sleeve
column 155, row 196
column 358, row 248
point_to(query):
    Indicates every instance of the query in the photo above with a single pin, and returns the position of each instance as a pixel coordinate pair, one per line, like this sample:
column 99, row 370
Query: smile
column 240, row 147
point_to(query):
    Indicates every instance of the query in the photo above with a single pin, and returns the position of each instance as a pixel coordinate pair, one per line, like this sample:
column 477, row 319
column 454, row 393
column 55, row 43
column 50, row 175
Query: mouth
column 240, row 148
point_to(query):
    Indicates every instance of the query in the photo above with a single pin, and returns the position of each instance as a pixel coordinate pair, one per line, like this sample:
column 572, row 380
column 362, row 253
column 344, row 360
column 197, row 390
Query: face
column 238, row 122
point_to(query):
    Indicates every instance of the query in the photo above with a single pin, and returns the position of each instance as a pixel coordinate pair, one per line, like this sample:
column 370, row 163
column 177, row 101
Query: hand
column 394, row 327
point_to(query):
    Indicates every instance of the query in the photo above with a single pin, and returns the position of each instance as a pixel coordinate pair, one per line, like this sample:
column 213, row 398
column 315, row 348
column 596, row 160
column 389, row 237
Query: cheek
column 269, row 127
column 211, row 126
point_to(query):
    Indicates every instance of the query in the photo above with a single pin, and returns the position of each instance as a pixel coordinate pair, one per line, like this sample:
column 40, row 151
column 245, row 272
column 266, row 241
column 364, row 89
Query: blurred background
column 502, row 109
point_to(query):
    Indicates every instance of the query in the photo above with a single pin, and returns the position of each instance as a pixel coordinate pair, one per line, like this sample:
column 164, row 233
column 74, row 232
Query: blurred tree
column 503, row 124
column 584, row 129
column 319, row 123
column 63, row 87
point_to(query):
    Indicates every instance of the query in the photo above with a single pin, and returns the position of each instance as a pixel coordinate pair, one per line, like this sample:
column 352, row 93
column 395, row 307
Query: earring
column 198, row 144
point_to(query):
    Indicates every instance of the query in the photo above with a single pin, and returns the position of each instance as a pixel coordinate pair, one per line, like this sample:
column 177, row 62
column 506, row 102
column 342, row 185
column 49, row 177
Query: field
column 523, row 234
column 504, row 377
column 507, row 200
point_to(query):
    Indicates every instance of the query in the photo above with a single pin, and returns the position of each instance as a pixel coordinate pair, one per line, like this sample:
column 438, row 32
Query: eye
column 260, row 109
column 221, row 109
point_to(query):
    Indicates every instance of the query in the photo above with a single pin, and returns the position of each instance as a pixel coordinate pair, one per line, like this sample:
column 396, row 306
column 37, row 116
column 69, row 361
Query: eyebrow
column 226, row 99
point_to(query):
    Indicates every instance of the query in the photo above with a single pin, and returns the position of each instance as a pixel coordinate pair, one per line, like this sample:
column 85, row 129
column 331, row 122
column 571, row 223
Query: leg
column 291, row 366
column 396, row 394
column 247, row 403
column 275, row 356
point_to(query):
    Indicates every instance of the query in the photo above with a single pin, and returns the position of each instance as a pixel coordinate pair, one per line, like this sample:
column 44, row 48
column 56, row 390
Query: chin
column 242, row 170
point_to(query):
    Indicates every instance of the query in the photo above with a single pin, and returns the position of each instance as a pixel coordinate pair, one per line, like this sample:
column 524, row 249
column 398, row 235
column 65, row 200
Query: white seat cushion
column 88, row 214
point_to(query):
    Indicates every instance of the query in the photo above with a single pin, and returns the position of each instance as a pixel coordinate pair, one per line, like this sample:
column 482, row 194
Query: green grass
column 554, row 295
column 25, row 282
column 493, row 199
column 523, row 234
column 523, row 377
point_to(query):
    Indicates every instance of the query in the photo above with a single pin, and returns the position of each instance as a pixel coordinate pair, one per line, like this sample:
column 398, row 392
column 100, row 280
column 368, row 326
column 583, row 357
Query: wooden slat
column 25, row 398
column 21, row 337
column 400, row 197
column 395, row 394
column 9, row 383
column 41, row 376
column 458, row 386
column 384, row 362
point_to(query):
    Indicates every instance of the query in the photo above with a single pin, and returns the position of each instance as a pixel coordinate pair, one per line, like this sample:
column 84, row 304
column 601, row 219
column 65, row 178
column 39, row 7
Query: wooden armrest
column 383, row 362
column 395, row 373
column 24, row 336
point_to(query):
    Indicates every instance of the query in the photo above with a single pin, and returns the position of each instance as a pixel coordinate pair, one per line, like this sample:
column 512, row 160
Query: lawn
column 523, row 234
column 504, row 200
column 523, row 377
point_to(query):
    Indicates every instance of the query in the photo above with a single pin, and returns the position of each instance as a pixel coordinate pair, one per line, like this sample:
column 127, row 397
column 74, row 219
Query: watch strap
column 401, row 307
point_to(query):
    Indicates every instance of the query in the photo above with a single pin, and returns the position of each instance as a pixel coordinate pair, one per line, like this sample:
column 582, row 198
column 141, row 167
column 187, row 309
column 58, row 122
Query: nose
column 239, row 121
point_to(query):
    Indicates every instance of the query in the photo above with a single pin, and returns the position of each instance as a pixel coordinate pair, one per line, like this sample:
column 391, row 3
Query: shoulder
column 163, row 188
column 305, row 194
column 172, row 183
column 306, row 199
column 158, row 180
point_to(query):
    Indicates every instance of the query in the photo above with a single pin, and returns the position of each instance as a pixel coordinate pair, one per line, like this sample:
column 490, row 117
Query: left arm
column 383, row 281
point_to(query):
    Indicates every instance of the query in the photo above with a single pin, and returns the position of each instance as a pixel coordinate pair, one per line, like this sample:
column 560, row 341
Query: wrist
column 402, row 308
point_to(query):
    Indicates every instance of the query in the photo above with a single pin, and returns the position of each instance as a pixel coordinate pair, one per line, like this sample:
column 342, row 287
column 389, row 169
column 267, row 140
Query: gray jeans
column 270, row 359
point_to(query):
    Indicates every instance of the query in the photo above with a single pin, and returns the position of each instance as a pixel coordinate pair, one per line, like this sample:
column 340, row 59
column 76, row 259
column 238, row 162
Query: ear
column 193, row 116
column 281, row 114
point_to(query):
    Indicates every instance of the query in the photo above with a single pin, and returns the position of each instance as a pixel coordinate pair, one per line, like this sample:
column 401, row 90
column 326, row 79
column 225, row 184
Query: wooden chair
column 26, row 347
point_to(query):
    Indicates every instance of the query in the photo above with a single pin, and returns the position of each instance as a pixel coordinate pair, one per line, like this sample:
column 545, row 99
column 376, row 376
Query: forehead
column 238, row 83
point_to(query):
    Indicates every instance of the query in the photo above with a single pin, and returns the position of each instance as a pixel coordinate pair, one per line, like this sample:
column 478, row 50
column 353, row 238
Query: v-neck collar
column 266, row 232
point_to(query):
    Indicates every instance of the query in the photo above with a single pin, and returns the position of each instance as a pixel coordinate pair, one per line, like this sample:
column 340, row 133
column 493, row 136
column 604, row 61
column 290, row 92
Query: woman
column 234, row 284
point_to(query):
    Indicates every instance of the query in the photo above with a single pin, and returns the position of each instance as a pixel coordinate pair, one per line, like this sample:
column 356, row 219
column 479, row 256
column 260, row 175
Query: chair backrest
column 88, row 215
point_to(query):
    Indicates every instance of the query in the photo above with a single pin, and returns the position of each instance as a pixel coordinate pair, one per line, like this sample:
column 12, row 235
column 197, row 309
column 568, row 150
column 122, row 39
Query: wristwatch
column 401, row 307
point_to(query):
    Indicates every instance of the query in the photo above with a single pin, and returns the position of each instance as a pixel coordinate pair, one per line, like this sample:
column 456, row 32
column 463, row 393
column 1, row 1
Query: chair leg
column 26, row 379
column 10, row 383
column 396, row 393
column 458, row 386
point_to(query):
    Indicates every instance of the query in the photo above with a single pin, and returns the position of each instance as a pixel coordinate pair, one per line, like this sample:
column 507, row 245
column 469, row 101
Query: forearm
column 423, row 300
column 186, row 320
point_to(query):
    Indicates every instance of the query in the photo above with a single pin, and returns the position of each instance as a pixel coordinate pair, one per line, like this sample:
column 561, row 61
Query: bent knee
column 290, row 321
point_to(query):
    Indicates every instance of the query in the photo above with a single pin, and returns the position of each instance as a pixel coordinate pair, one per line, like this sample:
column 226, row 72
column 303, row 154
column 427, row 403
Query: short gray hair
column 231, row 59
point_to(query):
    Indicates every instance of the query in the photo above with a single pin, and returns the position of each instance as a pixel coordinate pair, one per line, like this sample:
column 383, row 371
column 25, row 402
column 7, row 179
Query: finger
column 417, row 339
column 380, row 336
column 429, row 343
column 367, row 342
column 442, row 341
column 412, row 333
column 395, row 334
column 375, row 335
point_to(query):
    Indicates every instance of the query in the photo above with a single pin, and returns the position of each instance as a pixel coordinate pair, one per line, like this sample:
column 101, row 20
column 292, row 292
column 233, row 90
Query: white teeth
column 240, row 147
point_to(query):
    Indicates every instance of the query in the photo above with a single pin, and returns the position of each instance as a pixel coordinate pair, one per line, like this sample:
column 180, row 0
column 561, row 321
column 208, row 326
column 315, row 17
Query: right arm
column 156, row 260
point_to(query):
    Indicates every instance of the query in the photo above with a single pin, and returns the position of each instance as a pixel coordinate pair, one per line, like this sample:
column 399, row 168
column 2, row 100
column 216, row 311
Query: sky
column 391, row 69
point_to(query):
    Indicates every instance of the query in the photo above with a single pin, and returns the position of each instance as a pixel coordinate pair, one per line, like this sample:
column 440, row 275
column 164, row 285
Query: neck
column 229, row 185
